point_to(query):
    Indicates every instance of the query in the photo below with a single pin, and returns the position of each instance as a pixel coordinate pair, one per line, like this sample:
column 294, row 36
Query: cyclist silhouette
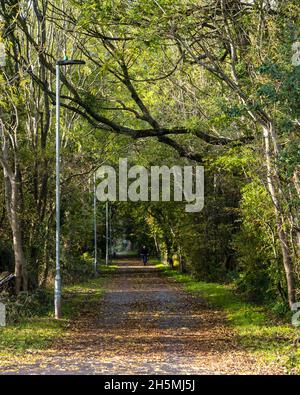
column 144, row 254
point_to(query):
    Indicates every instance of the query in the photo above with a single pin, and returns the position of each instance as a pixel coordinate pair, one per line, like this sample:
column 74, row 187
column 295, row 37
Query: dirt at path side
column 146, row 324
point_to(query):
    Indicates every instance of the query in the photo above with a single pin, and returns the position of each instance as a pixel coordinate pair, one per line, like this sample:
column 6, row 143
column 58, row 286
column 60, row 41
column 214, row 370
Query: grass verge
column 38, row 332
column 271, row 339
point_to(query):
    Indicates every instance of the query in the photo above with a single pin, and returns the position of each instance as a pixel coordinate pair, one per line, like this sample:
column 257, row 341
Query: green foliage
column 259, row 267
column 26, row 305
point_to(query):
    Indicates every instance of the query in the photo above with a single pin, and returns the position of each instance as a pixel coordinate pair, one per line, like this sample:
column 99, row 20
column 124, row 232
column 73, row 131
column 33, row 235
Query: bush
column 27, row 304
column 76, row 269
column 259, row 269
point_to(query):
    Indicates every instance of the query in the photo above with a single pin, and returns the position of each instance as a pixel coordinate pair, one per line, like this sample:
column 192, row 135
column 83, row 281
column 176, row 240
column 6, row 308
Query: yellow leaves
column 24, row 82
column 150, row 97
column 94, row 90
column 85, row 70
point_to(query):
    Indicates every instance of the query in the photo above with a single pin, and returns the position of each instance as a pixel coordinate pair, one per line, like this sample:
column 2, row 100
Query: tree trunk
column 296, row 179
column 182, row 264
column 12, row 205
column 20, row 262
column 272, row 176
column 46, row 260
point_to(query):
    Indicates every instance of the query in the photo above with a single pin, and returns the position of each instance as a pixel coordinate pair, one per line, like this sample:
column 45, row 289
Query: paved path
column 146, row 324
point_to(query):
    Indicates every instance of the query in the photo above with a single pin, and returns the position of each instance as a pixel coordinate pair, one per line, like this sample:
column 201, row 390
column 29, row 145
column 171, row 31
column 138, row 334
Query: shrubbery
column 26, row 304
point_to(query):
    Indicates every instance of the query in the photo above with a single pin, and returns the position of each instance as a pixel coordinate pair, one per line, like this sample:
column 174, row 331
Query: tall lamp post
column 57, row 283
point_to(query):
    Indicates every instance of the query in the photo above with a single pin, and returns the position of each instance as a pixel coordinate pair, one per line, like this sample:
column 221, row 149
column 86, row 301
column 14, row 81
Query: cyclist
column 144, row 254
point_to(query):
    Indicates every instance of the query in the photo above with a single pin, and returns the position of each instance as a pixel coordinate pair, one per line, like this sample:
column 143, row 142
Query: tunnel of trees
column 207, row 82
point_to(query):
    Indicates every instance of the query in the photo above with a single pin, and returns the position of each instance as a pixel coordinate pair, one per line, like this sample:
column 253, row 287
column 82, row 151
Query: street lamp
column 57, row 282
